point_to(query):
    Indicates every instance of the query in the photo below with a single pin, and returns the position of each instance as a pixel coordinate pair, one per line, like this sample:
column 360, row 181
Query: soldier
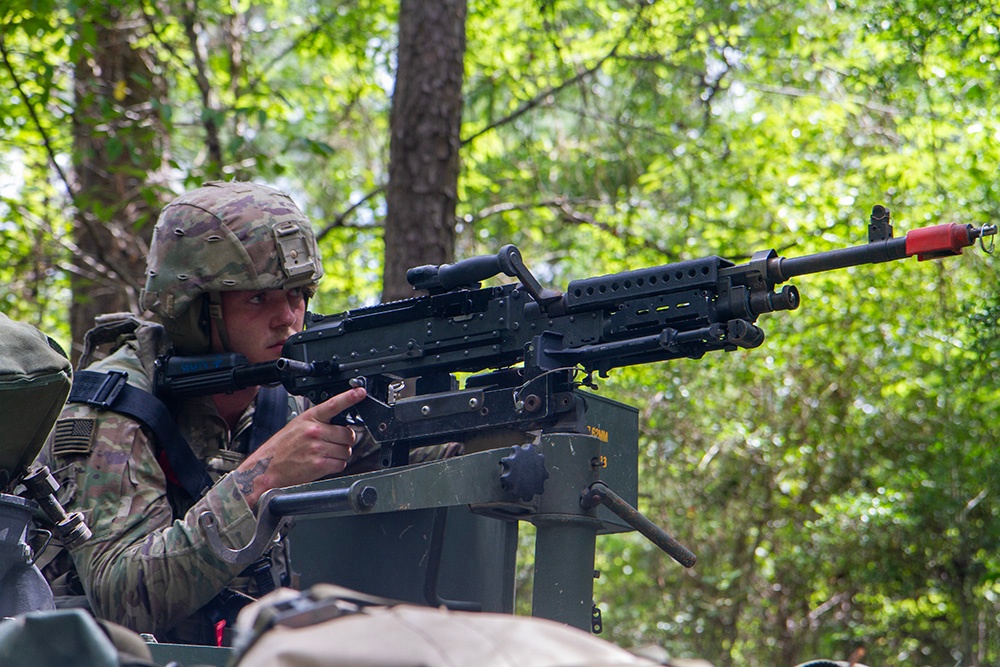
column 231, row 267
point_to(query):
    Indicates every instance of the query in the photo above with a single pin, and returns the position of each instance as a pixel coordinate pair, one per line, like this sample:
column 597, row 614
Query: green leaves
column 831, row 481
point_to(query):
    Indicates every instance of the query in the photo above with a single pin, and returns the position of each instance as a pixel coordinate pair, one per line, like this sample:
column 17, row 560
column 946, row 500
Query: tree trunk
column 118, row 148
column 425, row 128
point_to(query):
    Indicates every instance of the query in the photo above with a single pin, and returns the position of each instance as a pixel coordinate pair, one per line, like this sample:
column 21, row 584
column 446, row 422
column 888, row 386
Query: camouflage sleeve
column 141, row 569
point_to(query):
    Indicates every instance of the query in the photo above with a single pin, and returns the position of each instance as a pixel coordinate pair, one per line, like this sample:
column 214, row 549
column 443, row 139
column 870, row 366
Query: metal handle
column 599, row 493
column 275, row 509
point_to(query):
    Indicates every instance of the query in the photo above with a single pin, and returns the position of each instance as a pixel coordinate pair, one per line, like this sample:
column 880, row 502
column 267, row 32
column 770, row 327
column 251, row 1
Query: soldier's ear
column 191, row 333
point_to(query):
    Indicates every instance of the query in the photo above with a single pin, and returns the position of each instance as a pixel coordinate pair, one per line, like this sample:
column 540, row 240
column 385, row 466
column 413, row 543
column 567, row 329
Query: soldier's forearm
column 153, row 581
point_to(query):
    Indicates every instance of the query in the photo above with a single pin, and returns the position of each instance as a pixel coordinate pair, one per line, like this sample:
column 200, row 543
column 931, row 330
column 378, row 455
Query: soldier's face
column 258, row 323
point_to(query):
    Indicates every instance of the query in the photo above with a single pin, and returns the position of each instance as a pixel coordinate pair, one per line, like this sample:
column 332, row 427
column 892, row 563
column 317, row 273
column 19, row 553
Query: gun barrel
column 926, row 243
column 784, row 268
column 290, row 368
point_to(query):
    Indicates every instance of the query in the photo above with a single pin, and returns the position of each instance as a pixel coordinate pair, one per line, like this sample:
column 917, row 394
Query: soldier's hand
column 308, row 448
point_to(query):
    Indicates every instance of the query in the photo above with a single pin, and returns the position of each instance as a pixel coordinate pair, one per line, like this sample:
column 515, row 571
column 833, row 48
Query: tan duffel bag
column 330, row 626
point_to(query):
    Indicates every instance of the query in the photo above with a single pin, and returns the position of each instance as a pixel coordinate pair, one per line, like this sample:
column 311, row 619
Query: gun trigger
column 348, row 417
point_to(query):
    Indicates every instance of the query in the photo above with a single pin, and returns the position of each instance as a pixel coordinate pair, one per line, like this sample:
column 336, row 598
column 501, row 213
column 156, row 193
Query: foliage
column 838, row 482
column 809, row 474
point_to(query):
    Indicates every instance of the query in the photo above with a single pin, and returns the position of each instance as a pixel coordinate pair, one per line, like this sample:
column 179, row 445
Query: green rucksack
column 69, row 637
column 35, row 378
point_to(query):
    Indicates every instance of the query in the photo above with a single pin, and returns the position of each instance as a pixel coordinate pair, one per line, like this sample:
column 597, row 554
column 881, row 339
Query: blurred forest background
column 839, row 483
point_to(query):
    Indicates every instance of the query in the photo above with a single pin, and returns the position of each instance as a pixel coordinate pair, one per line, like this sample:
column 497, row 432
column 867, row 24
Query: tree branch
column 84, row 217
column 99, row 268
column 538, row 99
column 295, row 44
column 340, row 220
column 564, row 207
column 210, row 121
column 26, row 99
column 789, row 91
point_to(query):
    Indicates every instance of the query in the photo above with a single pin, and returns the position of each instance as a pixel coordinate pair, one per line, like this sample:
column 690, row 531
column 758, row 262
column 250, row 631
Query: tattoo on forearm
column 245, row 479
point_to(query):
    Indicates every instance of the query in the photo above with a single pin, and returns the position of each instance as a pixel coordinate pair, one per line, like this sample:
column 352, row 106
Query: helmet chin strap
column 215, row 312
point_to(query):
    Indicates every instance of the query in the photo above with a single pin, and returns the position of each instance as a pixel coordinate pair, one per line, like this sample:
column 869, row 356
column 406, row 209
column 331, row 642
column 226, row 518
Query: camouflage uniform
column 148, row 566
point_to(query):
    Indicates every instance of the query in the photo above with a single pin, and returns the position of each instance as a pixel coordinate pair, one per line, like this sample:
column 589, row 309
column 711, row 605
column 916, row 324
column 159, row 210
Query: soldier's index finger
column 333, row 406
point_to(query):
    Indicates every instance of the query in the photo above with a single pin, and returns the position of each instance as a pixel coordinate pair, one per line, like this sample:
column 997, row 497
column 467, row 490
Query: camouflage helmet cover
column 227, row 236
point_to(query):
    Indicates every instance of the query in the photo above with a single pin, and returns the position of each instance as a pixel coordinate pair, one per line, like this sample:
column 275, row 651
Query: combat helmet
column 224, row 236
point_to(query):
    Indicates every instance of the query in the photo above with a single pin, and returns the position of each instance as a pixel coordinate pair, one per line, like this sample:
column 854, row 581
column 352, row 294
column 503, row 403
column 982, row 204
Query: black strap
column 270, row 416
column 110, row 391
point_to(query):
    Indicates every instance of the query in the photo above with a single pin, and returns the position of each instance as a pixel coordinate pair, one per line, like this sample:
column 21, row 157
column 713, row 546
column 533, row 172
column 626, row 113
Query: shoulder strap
column 270, row 416
column 107, row 329
column 110, row 391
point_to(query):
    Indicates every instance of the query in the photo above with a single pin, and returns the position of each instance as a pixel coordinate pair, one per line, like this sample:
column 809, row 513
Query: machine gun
column 520, row 348
column 532, row 341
